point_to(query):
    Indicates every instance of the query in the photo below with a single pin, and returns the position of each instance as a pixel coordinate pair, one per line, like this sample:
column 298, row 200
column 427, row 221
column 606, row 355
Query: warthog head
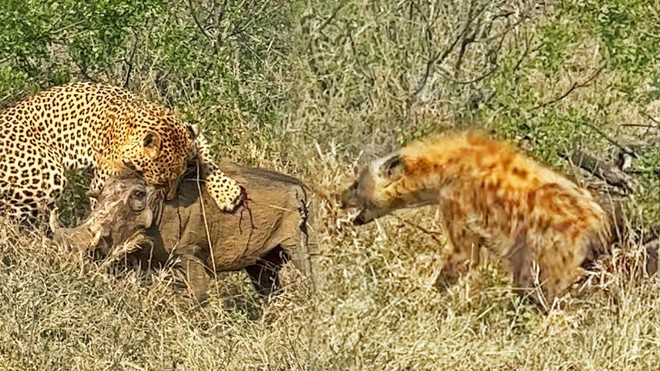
column 125, row 207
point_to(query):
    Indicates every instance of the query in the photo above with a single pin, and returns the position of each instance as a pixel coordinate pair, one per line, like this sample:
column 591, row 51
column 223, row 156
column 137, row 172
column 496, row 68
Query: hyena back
column 538, row 221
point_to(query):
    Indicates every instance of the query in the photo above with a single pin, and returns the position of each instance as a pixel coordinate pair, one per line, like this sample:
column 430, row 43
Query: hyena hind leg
column 536, row 277
column 520, row 260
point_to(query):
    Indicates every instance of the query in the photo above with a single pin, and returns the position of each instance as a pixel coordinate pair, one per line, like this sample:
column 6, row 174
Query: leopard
column 102, row 128
column 542, row 225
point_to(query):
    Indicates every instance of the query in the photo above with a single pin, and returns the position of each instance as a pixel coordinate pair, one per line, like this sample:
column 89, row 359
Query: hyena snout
column 349, row 198
column 361, row 219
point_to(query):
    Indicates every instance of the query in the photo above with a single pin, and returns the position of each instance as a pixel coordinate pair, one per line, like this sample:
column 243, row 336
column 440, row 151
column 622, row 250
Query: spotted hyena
column 490, row 195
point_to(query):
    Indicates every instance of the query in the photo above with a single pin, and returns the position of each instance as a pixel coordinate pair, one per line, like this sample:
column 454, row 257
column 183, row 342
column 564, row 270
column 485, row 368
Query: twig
column 495, row 52
column 440, row 57
column 206, row 222
column 448, row 76
column 83, row 71
column 520, row 60
column 306, row 25
column 422, row 229
column 332, row 16
column 645, row 171
column 645, row 114
column 640, row 126
column 624, row 149
column 129, row 62
column 240, row 28
column 221, row 17
column 199, row 25
column 502, row 33
column 573, row 87
column 467, row 40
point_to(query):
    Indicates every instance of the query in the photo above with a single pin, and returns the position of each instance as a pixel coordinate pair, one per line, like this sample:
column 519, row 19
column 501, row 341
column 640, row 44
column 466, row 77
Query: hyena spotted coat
column 491, row 195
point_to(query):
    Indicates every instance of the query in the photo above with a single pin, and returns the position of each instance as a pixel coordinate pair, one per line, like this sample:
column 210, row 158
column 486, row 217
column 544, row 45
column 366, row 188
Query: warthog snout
column 124, row 208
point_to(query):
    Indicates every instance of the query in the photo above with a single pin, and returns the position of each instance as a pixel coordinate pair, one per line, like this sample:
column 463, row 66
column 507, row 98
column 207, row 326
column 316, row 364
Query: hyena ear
column 393, row 167
column 151, row 144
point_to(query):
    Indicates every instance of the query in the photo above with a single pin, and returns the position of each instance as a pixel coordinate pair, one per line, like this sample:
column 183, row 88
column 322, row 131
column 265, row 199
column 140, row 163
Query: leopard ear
column 152, row 144
column 393, row 167
column 193, row 131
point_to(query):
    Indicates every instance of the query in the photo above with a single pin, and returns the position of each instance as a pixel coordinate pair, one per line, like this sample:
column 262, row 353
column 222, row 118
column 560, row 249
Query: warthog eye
column 138, row 201
column 139, row 194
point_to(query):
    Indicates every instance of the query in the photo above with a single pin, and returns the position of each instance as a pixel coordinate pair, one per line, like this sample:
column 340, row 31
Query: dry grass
column 377, row 306
column 61, row 311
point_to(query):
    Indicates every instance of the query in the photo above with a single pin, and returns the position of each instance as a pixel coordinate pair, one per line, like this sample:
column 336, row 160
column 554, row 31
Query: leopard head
column 158, row 149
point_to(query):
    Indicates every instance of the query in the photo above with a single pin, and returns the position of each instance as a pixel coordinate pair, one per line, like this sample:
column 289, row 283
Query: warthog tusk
column 53, row 221
column 96, row 240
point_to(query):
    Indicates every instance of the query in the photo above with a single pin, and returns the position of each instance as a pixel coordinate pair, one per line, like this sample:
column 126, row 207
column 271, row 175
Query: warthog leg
column 265, row 273
column 197, row 280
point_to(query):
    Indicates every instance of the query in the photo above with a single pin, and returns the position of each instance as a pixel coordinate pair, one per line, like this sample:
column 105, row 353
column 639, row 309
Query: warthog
column 270, row 228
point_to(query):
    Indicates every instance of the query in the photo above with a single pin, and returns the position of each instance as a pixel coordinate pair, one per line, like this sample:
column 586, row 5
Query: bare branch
column 645, row 171
column 495, row 52
column 467, row 40
column 311, row 60
column 573, row 87
column 440, row 57
column 129, row 61
column 422, row 229
column 607, row 172
column 218, row 21
column 448, row 76
column 641, row 126
column 211, row 12
column 656, row 121
column 83, row 71
column 528, row 42
column 624, row 149
column 332, row 16
column 199, row 25
column 502, row 33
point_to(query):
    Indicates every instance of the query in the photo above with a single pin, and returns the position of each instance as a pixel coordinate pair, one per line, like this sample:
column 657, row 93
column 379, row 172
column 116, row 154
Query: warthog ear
column 393, row 167
column 152, row 144
column 128, row 170
column 92, row 193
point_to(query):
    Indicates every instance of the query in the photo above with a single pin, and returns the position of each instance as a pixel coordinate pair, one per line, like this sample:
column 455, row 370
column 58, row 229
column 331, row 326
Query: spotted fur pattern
column 99, row 127
column 490, row 195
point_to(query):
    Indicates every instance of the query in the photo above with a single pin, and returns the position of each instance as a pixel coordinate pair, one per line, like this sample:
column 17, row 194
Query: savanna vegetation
column 315, row 89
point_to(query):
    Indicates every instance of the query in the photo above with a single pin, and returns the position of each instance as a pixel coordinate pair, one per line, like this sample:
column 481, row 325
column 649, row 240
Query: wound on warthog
column 245, row 203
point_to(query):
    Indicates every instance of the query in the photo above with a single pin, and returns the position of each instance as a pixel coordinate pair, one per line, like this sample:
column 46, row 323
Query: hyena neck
column 430, row 168
column 422, row 181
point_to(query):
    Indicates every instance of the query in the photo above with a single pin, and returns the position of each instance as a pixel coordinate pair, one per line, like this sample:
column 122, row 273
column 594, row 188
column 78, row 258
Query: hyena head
column 383, row 186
